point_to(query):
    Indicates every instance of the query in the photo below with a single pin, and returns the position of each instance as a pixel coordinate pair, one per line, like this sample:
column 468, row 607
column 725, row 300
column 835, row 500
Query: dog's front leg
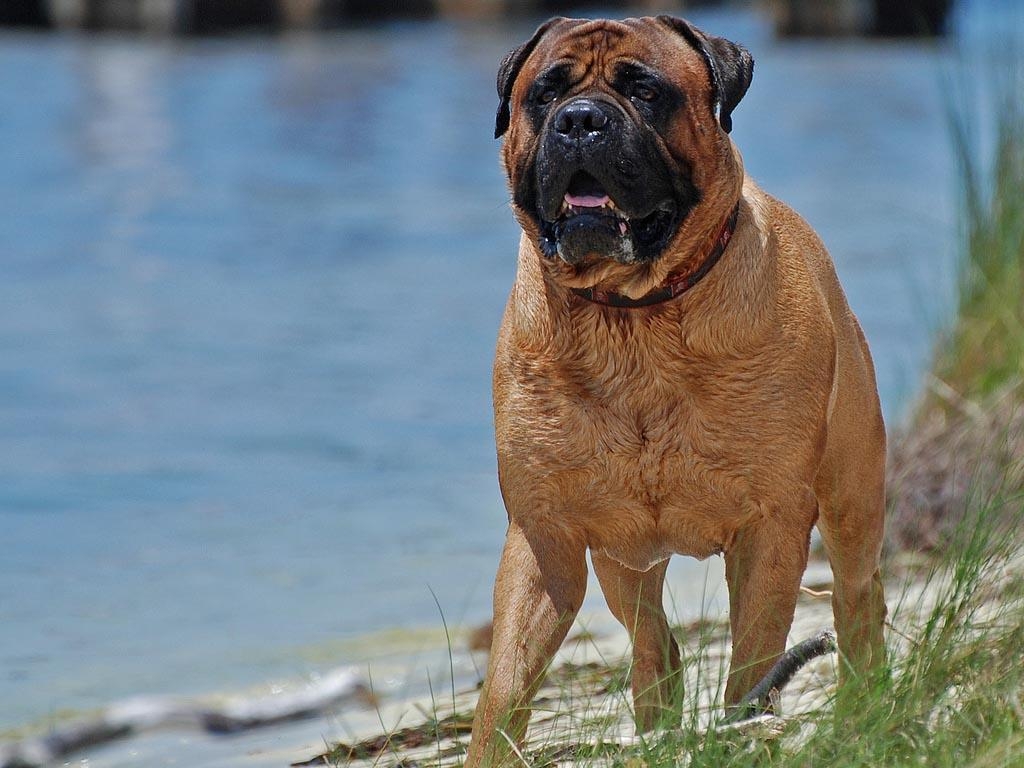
column 540, row 585
column 763, row 568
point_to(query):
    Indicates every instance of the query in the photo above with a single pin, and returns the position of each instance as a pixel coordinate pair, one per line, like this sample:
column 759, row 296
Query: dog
column 677, row 372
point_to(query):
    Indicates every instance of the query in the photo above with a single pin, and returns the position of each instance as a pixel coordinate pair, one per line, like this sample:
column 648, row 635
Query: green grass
column 967, row 433
column 985, row 349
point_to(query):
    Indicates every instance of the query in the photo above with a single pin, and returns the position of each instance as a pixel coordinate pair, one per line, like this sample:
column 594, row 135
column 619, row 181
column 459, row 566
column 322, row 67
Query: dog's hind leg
column 635, row 599
column 850, row 487
column 852, row 503
column 540, row 585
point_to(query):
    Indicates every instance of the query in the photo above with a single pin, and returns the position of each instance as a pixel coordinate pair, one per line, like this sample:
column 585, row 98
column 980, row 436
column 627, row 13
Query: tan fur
column 727, row 421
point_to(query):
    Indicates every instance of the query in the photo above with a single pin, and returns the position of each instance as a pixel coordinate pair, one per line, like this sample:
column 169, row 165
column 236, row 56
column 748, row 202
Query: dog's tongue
column 586, row 201
column 584, row 191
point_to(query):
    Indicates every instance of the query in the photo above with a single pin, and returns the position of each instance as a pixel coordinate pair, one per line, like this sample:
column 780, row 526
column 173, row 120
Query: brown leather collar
column 675, row 284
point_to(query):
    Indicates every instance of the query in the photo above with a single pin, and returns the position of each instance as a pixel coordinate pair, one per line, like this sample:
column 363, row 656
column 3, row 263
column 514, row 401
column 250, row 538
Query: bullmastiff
column 677, row 372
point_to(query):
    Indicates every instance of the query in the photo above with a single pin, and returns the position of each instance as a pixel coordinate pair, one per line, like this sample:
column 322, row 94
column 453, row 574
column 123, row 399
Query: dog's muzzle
column 601, row 194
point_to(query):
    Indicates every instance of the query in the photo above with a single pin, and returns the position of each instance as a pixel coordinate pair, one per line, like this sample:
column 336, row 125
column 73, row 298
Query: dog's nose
column 580, row 119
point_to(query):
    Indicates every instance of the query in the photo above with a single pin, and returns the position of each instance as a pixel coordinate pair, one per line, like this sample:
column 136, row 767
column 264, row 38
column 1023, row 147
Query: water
column 249, row 296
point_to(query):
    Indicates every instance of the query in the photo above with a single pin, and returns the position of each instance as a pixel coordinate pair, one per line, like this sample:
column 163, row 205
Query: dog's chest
column 672, row 470
column 663, row 450
column 659, row 461
column 641, row 449
column 635, row 424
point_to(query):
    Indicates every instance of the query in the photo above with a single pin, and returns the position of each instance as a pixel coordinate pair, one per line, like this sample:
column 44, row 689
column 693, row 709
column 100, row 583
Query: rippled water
column 249, row 295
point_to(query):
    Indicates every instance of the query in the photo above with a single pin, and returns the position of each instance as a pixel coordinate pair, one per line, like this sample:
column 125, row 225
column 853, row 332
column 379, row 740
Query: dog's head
column 613, row 142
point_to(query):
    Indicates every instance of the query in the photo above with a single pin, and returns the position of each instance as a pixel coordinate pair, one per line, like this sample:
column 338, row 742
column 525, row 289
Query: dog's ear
column 508, row 70
column 730, row 65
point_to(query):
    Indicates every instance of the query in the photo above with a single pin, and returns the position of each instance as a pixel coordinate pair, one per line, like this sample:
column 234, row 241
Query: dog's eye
column 547, row 95
column 644, row 92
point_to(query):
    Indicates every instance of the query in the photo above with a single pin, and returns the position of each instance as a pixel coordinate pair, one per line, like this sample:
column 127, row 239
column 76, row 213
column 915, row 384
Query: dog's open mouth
column 586, row 197
column 590, row 223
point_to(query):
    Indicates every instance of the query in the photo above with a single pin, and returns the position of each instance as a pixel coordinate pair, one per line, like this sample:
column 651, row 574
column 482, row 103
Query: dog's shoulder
column 805, row 270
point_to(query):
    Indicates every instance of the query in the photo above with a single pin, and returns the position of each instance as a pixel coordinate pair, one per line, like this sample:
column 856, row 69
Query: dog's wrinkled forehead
column 594, row 45
column 712, row 66
column 594, row 49
column 587, row 40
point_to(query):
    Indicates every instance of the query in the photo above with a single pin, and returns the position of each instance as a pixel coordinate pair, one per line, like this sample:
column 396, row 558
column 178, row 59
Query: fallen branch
column 759, row 699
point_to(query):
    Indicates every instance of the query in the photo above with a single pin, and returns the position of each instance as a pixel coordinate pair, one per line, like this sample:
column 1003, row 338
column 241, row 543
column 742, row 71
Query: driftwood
column 134, row 716
column 759, row 700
